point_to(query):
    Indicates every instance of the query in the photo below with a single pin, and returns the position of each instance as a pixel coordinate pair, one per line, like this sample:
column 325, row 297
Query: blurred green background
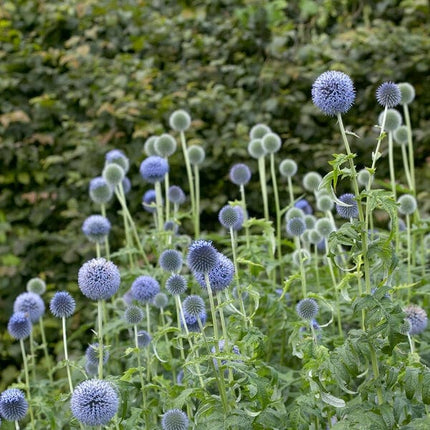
column 78, row 78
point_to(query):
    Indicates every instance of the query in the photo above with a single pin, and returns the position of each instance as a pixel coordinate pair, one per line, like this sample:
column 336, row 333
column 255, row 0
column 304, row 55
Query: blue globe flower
column 296, row 226
column 94, row 402
column 118, row 157
column 192, row 321
column 154, row 168
column 13, row 406
column 240, row 174
column 19, row 325
column 174, row 419
column 388, row 94
column 148, row 201
column 100, row 191
column 96, row 228
column 143, row 338
column 307, row 309
column 333, row 93
column 231, row 217
column 144, row 288
column 194, row 305
column 417, row 318
column 99, row 279
column 176, row 284
column 170, row 260
column 202, row 256
column 62, row 305
column 30, row 303
column 350, row 211
column 304, row 205
column 176, row 195
column 92, row 354
column 133, row 315
column 220, row 276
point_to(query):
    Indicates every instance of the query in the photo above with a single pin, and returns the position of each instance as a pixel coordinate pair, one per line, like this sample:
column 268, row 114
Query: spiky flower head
column 407, row 204
column 100, row 191
column 133, row 315
column 143, row 338
column 314, row 237
column 113, row 174
column 363, row 177
column 126, row 185
column 192, row 321
column 288, row 168
column 174, row 419
column 144, row 288
column 196, row 155
column 417, row 317
column 194, row 305
column 231, row 217
column 401, row 135
column 30, row 303
column 149, row 146
column 324, row 227
column 202, row 256
column 99, row 279
column 92, row 354
column 176, row 284
column 180, row 120
column 165, row 145
column 160, row 301
column 36, row 285
column 148, row 201
column 240, row 174
column 333, row 92
column 407, row 93
column 258, row 131
column 94, row 402
column 310, row 221
column 294, row 213
column 176, row 195
column 311, row 181
column 325, row 203
column 388, row 94
column 256, row 149
column 307, row 309
column 19, row 325
column 350, row 211
column 304, row 205
column 271, row 143
column 393, row 120
column 116, row 156
column 296, row 226
column 220, row 276
column 96, row 228
column 170, row 260
column 153, row 169
column 13, row 405
column 62, row 305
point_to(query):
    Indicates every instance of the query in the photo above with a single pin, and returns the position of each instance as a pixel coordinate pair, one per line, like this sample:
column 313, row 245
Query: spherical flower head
column 170, row 260
column 99, row 279
column 192, row 321
column 325, row 203
column 240, row 174
column 62, row 305
column 100, row 191
column 149, row 146
column 407, row 93
column 401, row 135
column 92, row 354
column 363, row 177
column 258, row 131
column 94, row 402
column 314, row 237
column 171, row 226
column 113, row 174
column 388, row 94
column 116, row 156
column 176, row 285
column 230, row 216
column 324, row 227
column 241, row 218
column 19, row 325
column 174, row 419
column 165, row 145
column 310, row 221
column 288, row 168
column 160, row 301
column 202, row 256
column 311, row 181
column 13, row 406
column 96, row 228
column 350, row 211
column 180, row 120
column 133, row 315
column 144, row 288
column 271, row 143
column 126, row 185
column 148, row 201
column 296, row 226
column 333, row 93
column 196, row 155
column 176, row 195
column 307, row 309
column 407, row 204
column 30, row 303
column 92, row 369
column 294, row 212
column 393, row 120
column 220, row 276
column 36, row 285
column 153, row 169
column 304, row 205
column 143, row 338
column 194, row 305
column 256, row 149
column 417, row 318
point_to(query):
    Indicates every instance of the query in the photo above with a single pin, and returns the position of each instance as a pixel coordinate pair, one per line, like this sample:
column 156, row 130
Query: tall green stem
column 263, row 185
column 197, row 201
column 190, row 176
column 278, row 214
column 391, row 163
column 159, row 204
column 66, row 354
column 27, row 381
column 410, row 147
column 100, row 336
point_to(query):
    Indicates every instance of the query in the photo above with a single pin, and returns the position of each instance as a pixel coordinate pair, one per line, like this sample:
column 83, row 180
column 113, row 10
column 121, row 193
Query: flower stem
column 278, row 214
column 66, row 355
column 190, row 176
column 196, row 215
column 27, row 381
column 263, row 185
column 100, row 335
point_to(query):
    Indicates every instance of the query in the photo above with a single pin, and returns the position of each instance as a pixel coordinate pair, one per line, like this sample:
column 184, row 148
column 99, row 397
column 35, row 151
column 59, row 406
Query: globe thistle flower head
column 314, row 237
column 149, row 146
column 192, row 321
column 180, row 120
column 288, row 168
column 30, row 303
column 256, row 149
column 174, row 419
column 170, row 260
column 100, row 191
column 407, row 204
column 310, row 221
column 13, row 405
column 311, row 181
column 196, row 155
column 202, row 256
column 240, row 174
column 241, row 218
column 170, row 226
column 307, row 309
column 19, row 325
column 176, row 195
column 91, row 369
column 113, row 174
column 133, row 315
column 417, row 318
column 126, row 185
column 325, row 203
column 194, row 305
column 176, row 285
column 304, row 205
column 271, row 143
column 363, row 177
column 62, row 305
column 99, row 279
column 153, row 169
column 333, row 93
column 350, row 211
column 143, row 338
column 324, row 227
column 400, row 135
column 393, row 120
column 94, row 402
column 231, row 217
column 148, row 201
column 296, row 226
column 160, row 301
column 165, row 145
column 407, row 93
column 144, row 288
column 220, row 276
column 388, row 94
column 96, row 228
column 258, row 131
column 92, row 354
column 36, row 286
column 294, row 212
column 118, row 157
